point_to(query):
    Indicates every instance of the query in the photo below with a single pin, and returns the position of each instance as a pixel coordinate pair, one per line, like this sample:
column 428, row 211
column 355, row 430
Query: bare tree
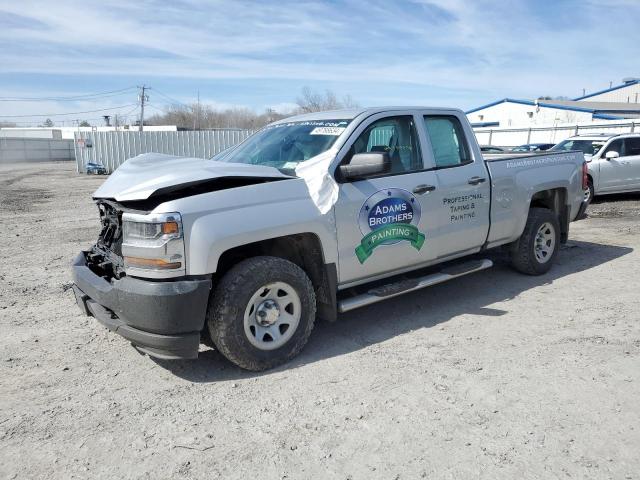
column 7, row 124
column 312, row 101
column 208, row 117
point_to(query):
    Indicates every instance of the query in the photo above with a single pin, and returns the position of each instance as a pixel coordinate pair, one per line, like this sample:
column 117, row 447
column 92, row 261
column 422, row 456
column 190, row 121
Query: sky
column 259, row 54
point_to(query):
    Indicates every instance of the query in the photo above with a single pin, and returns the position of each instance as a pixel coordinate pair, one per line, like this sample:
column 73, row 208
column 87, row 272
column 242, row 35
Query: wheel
column 533, row 253
column 262, row 312
column 589, row 193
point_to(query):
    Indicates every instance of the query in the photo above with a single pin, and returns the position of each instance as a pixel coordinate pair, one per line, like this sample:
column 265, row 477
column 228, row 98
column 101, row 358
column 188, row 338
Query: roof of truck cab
column 351, row 113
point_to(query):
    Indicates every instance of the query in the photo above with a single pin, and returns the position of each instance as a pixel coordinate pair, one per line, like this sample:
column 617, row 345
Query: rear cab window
column 448, row 141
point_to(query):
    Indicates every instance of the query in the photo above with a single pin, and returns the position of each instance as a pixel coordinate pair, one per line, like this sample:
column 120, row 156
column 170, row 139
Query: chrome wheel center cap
column 267, row 313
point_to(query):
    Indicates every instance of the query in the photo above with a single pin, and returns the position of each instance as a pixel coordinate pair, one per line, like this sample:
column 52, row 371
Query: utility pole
column 143, row 98
column 198, row 112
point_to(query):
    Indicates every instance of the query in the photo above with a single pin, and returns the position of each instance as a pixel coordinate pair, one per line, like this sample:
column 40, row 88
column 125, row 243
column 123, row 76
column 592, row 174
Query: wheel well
column 554, row 199
column 305, row 250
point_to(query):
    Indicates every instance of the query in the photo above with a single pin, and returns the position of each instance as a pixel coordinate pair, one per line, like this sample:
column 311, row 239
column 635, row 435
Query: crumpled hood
column 139, row 177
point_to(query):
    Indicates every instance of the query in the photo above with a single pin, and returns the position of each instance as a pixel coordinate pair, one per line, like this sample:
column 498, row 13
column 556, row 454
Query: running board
column 409, row 285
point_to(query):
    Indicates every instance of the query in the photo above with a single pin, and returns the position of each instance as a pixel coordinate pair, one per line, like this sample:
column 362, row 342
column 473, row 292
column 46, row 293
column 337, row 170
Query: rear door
column 385, row 223
column 462, row 199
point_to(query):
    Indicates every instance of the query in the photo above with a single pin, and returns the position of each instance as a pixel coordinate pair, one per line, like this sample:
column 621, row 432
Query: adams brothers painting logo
column 387, row 217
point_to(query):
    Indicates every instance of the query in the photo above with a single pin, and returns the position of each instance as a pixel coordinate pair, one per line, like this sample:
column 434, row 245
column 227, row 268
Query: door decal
column 388, row 217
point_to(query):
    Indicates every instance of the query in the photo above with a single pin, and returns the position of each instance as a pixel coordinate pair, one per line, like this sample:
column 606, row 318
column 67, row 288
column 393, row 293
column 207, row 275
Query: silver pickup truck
column 312, row 216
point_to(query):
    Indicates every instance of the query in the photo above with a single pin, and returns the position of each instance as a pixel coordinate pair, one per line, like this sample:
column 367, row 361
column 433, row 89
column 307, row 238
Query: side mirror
column 611, row 154
column 365, row 164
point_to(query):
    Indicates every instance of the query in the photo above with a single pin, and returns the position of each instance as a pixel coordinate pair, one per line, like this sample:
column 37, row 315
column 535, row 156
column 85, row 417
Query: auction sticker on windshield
column 388, row 217
column 327, row 131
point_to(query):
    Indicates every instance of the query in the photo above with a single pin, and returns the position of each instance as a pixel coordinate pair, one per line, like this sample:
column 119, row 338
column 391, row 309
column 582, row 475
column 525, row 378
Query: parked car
column 491, row 149
column 316, row 214
column 613, row 161
column 95, row 169
column 533, row 147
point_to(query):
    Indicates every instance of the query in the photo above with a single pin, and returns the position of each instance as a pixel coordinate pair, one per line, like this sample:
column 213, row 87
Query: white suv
column 614, row 161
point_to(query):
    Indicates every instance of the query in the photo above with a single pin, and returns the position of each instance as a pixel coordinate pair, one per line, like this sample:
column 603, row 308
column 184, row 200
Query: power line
column 87, row 96
column 160, row 109
column 173, row 100
column 69, row 113
column 130, row 111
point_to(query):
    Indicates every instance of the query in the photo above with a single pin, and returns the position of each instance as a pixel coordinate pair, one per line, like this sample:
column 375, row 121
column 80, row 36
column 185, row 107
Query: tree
column 84, row 123
column 7, row 124
column 48, row 123
column 312, row 101
column 205, row 116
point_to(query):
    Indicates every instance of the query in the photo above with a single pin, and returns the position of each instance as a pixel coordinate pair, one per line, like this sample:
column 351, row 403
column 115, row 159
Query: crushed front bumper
column 161, row 318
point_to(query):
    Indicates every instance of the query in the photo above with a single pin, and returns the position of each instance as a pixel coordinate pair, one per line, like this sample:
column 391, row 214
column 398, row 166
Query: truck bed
column 516, row 178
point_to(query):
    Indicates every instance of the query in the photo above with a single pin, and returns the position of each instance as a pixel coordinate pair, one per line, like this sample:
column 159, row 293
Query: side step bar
column 409, row 285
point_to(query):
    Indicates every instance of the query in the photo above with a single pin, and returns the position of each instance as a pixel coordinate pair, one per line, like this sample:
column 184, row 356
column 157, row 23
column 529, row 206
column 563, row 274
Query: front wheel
column 262, row 312
column 589, row 193
column 534, row 252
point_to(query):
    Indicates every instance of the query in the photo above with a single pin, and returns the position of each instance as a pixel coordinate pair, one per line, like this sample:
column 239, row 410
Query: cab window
column 448, row 141
column 396, row 136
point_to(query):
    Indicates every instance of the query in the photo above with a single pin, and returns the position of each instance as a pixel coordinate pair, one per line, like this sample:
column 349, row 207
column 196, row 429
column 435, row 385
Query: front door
column 385, row 223
column 614, row 172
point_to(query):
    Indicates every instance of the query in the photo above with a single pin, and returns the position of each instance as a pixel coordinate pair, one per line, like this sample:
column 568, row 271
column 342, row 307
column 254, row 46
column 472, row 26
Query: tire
column 252, row 292
column 541, row 234
column 589, row 193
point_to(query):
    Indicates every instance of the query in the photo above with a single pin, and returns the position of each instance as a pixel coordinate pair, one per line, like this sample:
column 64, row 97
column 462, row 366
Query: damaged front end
column 137, row 243
column 123, row 281
column 105, row 256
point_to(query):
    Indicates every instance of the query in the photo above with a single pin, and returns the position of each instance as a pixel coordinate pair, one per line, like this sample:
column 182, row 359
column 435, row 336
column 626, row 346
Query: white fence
column 111, row 149
column 34, row 150
column 512, row 137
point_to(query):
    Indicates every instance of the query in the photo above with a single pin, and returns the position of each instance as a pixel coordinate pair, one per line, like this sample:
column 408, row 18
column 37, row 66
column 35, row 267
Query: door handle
column 420, row 189
column 476, row 180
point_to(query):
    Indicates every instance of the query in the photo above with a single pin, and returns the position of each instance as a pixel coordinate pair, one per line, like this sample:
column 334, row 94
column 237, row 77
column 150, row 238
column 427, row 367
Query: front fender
column 213, row 234
column 217, row 221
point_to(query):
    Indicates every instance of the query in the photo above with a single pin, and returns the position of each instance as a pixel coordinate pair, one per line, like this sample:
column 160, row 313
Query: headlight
column 153, row 245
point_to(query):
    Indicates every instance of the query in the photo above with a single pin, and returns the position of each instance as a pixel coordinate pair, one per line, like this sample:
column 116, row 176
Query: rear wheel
column 534, row 252
column 262, row 312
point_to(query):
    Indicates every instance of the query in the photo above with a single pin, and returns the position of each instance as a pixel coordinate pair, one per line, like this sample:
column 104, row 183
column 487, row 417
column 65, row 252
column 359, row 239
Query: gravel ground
column 495, row 375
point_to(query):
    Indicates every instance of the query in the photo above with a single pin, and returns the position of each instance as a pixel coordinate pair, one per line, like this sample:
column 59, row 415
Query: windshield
column 285, row 145
column 588, row 147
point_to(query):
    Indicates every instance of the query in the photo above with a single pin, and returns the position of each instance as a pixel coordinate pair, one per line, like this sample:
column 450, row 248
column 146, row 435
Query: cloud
column 475, row 51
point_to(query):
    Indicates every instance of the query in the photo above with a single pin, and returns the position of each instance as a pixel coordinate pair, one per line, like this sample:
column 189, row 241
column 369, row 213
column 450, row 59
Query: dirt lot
column 496, row 375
